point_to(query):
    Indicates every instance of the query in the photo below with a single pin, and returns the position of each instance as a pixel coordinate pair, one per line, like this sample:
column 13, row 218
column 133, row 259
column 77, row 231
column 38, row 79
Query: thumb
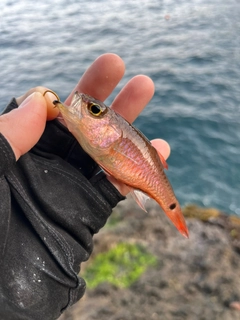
column 23, row 127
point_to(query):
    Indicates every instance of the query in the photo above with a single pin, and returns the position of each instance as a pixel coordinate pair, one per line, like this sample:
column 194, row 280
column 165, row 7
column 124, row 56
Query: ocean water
column 191, row 50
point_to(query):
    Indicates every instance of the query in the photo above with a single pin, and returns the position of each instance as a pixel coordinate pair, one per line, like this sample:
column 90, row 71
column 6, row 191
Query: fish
column 123, row 152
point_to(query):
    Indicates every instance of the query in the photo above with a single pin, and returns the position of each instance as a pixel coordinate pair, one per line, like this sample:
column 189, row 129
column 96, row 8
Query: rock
column 195, row 278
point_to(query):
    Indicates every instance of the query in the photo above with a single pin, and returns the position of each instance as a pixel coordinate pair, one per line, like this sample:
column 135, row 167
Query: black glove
column 52, row 201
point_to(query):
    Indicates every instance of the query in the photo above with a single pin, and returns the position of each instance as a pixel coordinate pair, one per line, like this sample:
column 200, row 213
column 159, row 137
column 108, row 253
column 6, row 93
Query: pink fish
column 123, row 152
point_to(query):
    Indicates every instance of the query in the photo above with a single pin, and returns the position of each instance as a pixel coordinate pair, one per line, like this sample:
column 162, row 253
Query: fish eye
column 95, row 109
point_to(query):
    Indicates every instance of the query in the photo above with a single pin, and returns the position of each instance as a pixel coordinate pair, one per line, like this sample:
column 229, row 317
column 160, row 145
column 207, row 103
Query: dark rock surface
column 196, row 278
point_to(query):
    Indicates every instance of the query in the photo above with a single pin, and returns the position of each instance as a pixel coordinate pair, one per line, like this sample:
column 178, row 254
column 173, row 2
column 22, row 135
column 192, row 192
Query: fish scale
column 122, row 151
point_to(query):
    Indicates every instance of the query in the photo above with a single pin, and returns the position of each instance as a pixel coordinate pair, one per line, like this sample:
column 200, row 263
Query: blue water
column 191, row 49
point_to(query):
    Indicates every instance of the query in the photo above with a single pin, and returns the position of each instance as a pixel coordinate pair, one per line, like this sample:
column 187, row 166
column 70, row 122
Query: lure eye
column 95, row 109
column 172, row 206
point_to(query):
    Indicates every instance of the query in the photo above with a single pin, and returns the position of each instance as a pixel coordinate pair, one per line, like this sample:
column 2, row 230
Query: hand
column 24, row 126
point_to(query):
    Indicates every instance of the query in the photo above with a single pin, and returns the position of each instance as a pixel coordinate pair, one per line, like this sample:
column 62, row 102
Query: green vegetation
column 204, row 214
column 120, row 266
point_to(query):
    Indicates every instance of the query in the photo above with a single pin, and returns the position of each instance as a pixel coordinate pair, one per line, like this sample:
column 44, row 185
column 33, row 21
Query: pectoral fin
column 140, row 198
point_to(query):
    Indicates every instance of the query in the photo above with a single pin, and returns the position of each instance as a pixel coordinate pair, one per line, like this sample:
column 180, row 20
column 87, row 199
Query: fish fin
column 139, row 197
column 105, row 171
column 164, row 163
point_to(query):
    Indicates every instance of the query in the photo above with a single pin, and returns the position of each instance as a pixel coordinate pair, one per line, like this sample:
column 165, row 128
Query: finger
column 101, row 77
column 23, row 127
column 121, row 187
column 134, row 97
column 52, row 112
column 162, row 146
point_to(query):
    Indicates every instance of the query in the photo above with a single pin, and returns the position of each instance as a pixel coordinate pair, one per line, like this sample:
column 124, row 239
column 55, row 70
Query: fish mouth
column 75, row 108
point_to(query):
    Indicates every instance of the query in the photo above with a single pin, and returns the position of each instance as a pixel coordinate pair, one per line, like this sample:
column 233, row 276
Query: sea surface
column 191, row 50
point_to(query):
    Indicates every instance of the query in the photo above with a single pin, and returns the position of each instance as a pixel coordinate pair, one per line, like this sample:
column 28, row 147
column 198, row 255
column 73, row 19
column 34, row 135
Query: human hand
column 53, row 204
column 24, row 126
column 100, row 80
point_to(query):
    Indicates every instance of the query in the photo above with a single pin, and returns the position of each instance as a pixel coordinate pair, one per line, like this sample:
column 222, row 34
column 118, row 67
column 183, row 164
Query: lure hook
column 54, row 93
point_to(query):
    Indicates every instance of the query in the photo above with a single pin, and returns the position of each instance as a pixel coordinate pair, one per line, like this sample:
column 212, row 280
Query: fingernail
column 27, row 100
column 50, row 97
